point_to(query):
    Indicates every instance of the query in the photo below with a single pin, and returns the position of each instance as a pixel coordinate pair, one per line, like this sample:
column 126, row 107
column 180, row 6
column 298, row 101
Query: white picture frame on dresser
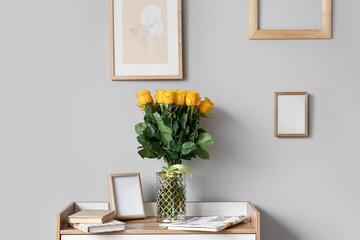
column 126, row 196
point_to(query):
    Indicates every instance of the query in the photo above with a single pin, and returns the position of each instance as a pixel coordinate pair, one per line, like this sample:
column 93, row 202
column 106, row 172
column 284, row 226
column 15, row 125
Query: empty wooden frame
column 126, row 196
column 291, row 114
column 256, row 33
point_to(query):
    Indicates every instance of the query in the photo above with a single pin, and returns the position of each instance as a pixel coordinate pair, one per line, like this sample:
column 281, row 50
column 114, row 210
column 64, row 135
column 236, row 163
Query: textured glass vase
column 171, row 197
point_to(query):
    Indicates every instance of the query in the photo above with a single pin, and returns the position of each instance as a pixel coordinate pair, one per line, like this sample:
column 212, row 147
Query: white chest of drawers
column 148, row 229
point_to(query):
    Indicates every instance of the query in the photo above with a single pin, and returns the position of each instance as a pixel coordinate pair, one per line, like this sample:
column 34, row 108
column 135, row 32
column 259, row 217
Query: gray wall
column 65, row 125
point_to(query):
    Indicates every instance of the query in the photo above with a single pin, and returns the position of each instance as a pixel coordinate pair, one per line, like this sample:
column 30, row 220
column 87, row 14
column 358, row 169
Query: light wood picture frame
column 291, row 114
column 126, row 196
column 324, row 32
column 146, row 40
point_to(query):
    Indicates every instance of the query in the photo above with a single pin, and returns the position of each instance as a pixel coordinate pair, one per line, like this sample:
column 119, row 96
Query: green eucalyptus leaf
column 175, row 127
column 157, row 136
column 161, row 125
column 156, row 146
column 166, row 138
column 147, row 133
column 183, row 120
column 187, row 130
column 146, row 119
column 139, row 128
column 149, row 111
column 145, row 152
column 205, row 140
column 189, row 156
column 180, row 140
column 202, row 153
column 188, row 147
column 152, row 155
column 173, row 146
column 192, row 136
column 142, row 140
column 167, row 121
column 165, row 131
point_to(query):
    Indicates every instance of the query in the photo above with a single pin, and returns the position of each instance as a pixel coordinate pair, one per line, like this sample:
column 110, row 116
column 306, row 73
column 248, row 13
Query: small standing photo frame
column 126, row 196
column 291, row 114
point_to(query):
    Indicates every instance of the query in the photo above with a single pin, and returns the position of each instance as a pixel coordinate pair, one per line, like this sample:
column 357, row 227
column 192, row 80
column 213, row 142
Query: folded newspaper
column 211, row 224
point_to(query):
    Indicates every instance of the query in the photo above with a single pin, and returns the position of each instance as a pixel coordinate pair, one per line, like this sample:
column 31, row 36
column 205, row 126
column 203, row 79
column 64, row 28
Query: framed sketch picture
column 291, row 114
column 145, row 39
column 126, row 196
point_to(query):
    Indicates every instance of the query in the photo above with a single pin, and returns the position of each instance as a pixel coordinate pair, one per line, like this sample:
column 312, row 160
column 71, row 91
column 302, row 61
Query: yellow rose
column 144, row 97
column 159, row 96
column 180, row 97
column 206, row 106
column 169, row 96
column 192, row 98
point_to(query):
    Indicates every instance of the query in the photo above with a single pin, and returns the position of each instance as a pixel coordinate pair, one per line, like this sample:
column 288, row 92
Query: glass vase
column 171, row 197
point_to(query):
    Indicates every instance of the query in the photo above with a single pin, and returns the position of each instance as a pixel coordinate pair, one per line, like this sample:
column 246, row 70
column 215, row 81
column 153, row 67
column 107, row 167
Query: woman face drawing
column 151, row 18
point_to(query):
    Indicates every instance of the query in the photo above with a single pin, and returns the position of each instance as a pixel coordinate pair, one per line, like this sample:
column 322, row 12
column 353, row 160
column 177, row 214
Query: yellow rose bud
column 169, row 96
column 144, row 97
column 206, row 106
column 180, row 97
column 192, row 98
column 159, row 96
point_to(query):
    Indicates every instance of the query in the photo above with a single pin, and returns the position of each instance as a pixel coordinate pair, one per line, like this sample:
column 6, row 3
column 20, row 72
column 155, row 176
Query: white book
column 210, row 224
column 111, row 226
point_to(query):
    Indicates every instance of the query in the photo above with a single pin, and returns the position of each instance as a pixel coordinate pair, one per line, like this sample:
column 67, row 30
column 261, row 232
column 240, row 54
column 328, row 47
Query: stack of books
column 96, row 221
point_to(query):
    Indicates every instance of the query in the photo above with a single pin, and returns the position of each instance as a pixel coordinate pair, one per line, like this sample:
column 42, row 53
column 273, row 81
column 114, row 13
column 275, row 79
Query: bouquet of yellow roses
column 171, row 127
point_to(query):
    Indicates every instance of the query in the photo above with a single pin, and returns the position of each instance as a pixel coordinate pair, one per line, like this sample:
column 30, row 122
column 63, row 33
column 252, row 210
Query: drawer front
column 162, row 237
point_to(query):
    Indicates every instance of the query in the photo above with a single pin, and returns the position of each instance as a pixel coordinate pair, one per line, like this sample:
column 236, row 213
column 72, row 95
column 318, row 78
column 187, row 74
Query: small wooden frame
column 291, row 114
column 161, row 61
column 126, row 196
column 256, row 33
